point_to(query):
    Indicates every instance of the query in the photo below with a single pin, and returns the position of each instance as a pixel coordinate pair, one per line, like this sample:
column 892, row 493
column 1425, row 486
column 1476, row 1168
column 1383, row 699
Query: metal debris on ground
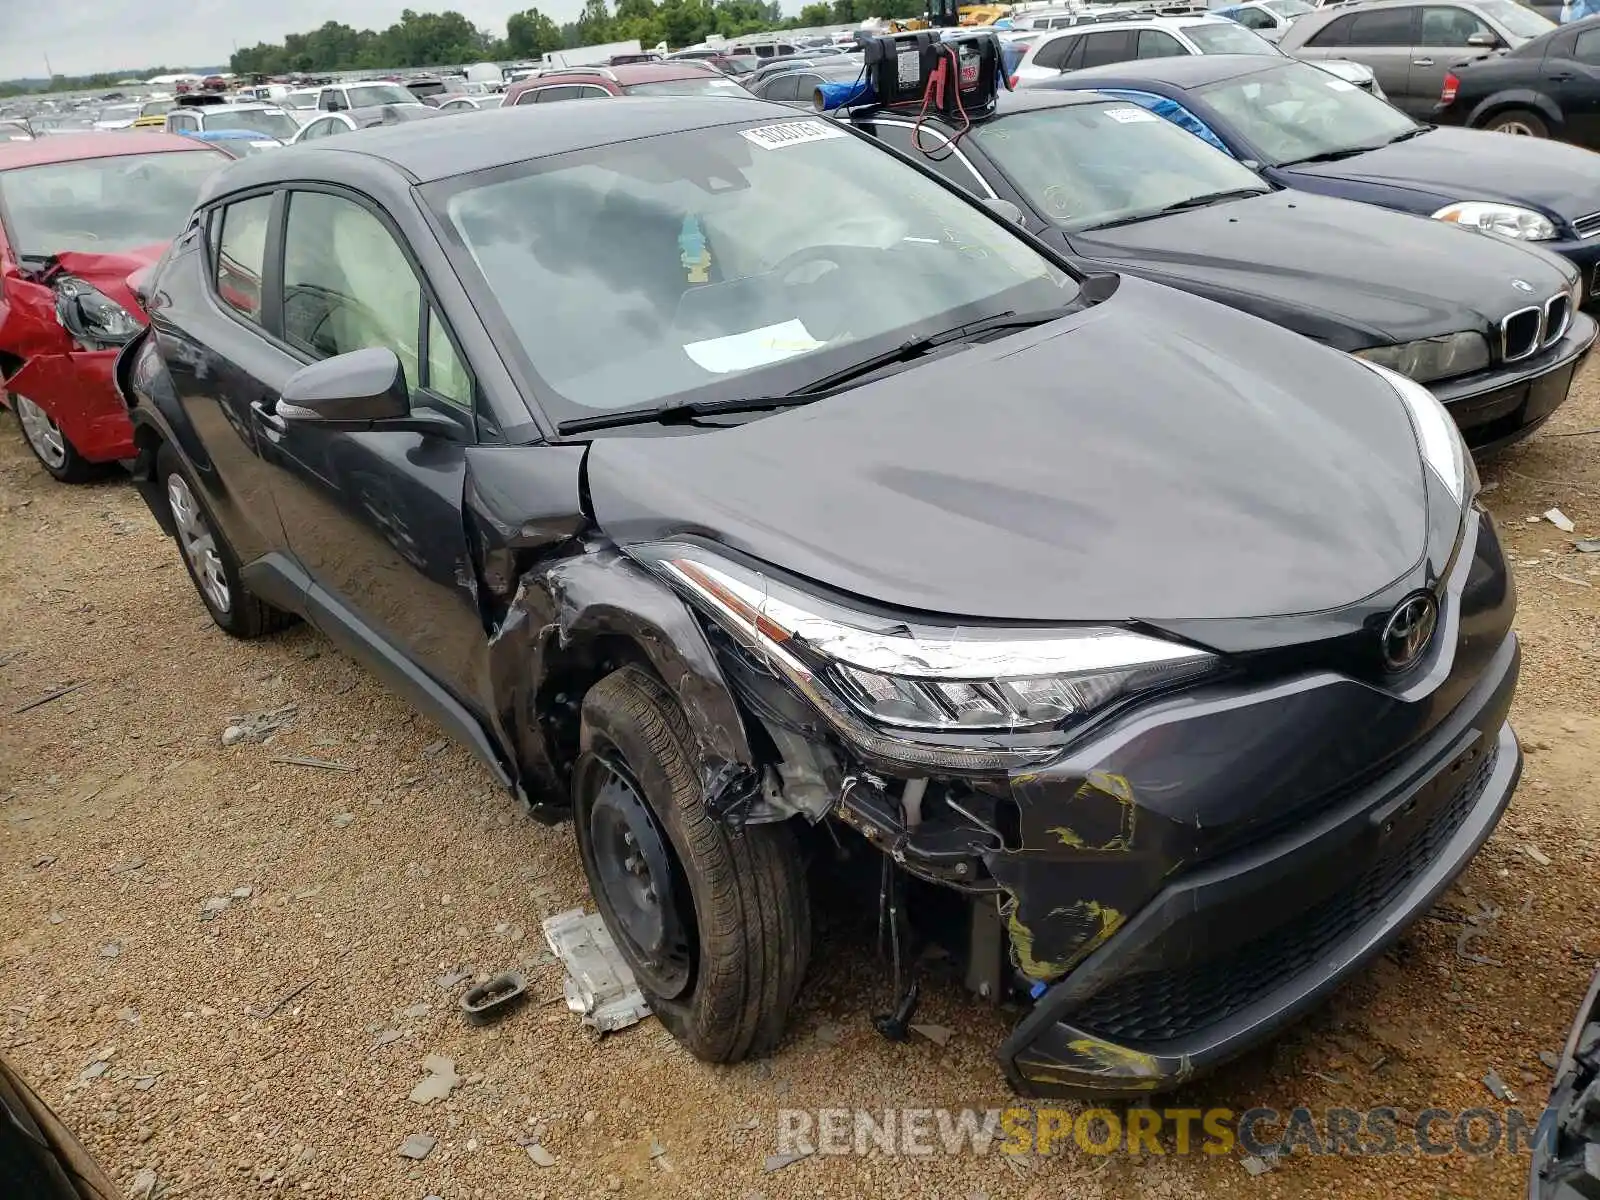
column 541, row 1157
column 1587, row 545
column 777, row 1162
column 495, row 998
column 1538, row 855
column 257, row 726
column 386, row 1037
column 49, row 696
column 144, row 1185
column 450, row 978
column 439, row 1080
column 263, row 1013
column 1572, row 579
column 1549, row 1059
column 418, row 1146
column 322, row 764
column 1254, row 1165
column 939, row 1035
column 598, row 986
column 1559, row 519
column 1497, row 1087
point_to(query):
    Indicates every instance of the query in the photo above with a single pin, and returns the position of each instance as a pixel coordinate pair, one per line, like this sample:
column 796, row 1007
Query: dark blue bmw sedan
column 1302, row 128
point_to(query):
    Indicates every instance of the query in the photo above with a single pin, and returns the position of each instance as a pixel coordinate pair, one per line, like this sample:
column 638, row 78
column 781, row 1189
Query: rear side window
column 1334, row 33
column 1384, row 27
column 1449, row 27
column 1587, row 47
column 1155, row 44
column 550, row 95
column 1053, row 54
column 1112, row 46
column 239, row 252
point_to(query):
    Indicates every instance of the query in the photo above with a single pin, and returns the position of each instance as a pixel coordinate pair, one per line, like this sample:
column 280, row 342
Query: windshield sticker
column 753, row 348
column 790, row 133
column 1341, row 85
column 1129, row 116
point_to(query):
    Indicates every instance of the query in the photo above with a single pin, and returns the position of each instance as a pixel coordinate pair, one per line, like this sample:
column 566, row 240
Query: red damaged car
column 79, row 214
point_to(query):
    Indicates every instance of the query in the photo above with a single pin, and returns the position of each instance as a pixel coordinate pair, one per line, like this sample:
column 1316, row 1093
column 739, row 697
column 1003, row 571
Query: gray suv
column 1411, row 44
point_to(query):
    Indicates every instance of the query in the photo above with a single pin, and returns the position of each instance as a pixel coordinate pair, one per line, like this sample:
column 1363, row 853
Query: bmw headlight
column 1437, row 434
column 1433, row 358
column 945, row 699
column 1508, row 220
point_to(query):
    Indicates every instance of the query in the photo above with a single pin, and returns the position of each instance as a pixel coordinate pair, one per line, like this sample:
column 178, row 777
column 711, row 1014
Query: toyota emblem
column 1408, row 631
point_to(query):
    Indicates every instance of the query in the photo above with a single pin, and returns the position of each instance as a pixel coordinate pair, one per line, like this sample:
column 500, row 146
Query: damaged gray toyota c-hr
column 718, row 477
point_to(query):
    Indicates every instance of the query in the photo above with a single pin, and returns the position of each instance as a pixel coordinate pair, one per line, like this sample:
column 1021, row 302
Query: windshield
column 300, row 100
column 257, row 120
column 711, row 85
column 1523, row 22
column 370, row 95
column 1226, row 37
column 157, row 108
column 103, row 205
column 243, row 147
column 1085, row 165
column 120, row 112
column 1288, row 8
column 640, row 271
column 1297, row 111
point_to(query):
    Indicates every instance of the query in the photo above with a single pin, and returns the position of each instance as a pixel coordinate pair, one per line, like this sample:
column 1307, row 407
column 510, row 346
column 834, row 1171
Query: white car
column 460, row 104
column 337, row 97
column 259, row 118
column 331, row 124
column 1099, row 42
column 1269, row 18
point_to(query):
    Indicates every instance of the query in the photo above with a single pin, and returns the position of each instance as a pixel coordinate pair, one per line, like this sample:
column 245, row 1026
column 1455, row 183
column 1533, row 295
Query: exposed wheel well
column 571, row 669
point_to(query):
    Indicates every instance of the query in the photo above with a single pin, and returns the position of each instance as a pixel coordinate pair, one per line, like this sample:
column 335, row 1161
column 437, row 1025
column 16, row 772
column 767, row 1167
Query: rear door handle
column 1560, row 76
column 268, row 418
column 1422, row 62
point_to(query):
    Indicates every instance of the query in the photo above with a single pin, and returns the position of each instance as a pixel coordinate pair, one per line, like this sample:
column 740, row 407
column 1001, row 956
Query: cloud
column 81, row 37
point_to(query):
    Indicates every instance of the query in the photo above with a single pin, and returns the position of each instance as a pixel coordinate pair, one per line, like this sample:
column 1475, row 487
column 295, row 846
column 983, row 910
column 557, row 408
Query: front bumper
column 78, row 391
column 1249, row 850
column 1503, row 405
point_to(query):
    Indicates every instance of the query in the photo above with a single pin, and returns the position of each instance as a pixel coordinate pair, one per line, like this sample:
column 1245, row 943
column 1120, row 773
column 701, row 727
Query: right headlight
column 954, row 699
column 1437, row 433
column 1508, row 220
column 1433, row 358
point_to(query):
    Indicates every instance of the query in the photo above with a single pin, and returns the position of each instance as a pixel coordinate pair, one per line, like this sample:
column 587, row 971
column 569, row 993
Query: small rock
column 242, row 893
column 93, row 1071
column 613, row 1183
column 1538, row 855
column 43, row 861
column 829, row 1035
column 55, row 918
column 388, row 1036
column 450, row 978
column 656, row 1149
column 590, row 1117
column 417, row 1010
column 143, row 1186
column 146, row 1083
column 340, row 820
column 133, row 864
column 433, row 748
column 212, row 905
column 145, row 1133
column 1549, row 1059
column 777, row 1162
column 234, row 734
column 1559, row 519
column 1254, row 1165
column 541, row 1156
column 417, row 1147
column 939, row 1035
column 440, row 1081
column 128, row 1016
column 111, row 950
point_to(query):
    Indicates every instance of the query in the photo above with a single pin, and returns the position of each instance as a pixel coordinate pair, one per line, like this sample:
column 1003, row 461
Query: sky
column 83, row 37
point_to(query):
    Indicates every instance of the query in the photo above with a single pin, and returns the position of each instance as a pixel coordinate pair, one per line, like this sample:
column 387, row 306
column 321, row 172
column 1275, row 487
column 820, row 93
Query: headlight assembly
column 1437, row 435
column 1508, row 220
column 1433, row 358
column 94, row 320
column 952, row 699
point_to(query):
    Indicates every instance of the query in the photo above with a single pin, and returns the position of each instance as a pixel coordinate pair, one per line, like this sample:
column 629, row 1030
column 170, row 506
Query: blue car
column 237, row 142
column 1298, row 127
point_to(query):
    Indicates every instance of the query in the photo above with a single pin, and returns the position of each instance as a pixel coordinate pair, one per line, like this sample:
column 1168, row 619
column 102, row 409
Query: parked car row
column 722, row 475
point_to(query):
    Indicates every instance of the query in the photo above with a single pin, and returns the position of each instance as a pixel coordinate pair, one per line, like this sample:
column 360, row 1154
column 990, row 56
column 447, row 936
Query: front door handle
column 268, row 418
column 1422, row 62
column 1560, row 76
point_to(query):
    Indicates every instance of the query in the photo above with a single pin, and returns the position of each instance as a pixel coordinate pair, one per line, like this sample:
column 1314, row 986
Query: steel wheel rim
column 43, row 434
column 198, row 543
column 1515, row 129
column 641, row 883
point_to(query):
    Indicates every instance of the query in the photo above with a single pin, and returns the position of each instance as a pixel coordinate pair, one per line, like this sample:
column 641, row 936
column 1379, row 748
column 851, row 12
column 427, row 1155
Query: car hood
column 1469, row 164
column 110, row 272
column 1155, row 456
column 1345, row 273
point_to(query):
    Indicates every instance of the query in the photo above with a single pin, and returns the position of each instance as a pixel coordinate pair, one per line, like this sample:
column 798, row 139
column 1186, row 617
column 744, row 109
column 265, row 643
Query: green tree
column 530, row 34
column 593, row 25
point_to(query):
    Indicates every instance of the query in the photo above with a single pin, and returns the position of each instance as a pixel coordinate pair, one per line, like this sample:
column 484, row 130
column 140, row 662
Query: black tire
column 68, row 466
column 246, row 614
column 1525, row 118
column 751, row 911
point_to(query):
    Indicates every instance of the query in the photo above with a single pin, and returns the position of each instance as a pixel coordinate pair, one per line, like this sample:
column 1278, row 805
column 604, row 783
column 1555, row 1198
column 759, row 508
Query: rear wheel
column 51, row 446
column 213, row 567
column 1519, row 122
column 716, row 926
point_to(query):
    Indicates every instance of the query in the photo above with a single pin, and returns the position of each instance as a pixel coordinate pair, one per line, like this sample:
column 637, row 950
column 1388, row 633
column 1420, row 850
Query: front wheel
column 1520, row 122
column 716, row 926
column 51, row 446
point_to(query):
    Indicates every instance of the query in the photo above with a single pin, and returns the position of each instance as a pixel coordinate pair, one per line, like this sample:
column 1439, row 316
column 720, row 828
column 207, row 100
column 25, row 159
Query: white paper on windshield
column 753, row 348
column 790, row 133
column 1341, row 85
column 265, row 145
column 1129, row 116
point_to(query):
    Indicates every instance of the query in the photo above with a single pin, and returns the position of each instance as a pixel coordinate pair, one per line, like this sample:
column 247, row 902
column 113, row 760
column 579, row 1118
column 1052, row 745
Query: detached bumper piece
column 1566, row 1152
column 1503, row 405
column 1235, row 949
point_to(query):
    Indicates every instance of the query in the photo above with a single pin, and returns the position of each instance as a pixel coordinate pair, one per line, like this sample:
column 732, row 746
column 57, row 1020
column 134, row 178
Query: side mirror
column 1483, row 38
column 360, row 387
column 1006, row 211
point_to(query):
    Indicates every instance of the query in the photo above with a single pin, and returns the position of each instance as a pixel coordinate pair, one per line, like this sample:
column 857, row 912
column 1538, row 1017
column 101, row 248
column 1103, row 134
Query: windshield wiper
column 669, row 414
column 1331, row 155
column 1408, row 134
column 1202, row 201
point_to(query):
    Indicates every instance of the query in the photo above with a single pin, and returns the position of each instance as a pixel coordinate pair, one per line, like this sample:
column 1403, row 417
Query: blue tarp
column 1172, row 111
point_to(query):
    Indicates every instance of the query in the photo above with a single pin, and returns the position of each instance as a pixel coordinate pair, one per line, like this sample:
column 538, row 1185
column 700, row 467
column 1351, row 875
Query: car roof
column 1186, row 71
column 1132, row 21
column 1031, row 99
column 218, row 135
column 75, row 147
column 492, row 137
column 240, row 106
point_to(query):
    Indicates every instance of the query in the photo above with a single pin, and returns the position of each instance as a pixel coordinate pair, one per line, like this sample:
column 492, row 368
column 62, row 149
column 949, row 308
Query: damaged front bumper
column 77, row 389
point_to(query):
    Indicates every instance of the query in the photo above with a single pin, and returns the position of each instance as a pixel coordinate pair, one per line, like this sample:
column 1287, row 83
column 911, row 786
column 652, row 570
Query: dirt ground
column 266, row 1043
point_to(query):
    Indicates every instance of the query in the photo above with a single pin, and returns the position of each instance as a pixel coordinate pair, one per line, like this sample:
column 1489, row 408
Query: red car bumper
column 77, row 390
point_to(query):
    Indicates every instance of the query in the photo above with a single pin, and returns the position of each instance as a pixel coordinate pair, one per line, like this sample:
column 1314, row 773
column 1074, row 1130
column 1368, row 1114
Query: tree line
column 447, row 39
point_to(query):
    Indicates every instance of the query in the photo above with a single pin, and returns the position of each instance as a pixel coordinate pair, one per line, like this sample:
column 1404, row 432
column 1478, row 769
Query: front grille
column 1588, row 226
column 1519, row 333
column 1160, row 1006
column 1557, row 314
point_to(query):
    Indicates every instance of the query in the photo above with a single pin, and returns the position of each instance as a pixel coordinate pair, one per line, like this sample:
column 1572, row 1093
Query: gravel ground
column 266, row 1042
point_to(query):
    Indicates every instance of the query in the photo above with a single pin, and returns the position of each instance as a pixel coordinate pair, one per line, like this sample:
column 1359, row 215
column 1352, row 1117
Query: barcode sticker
column 790, row 133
